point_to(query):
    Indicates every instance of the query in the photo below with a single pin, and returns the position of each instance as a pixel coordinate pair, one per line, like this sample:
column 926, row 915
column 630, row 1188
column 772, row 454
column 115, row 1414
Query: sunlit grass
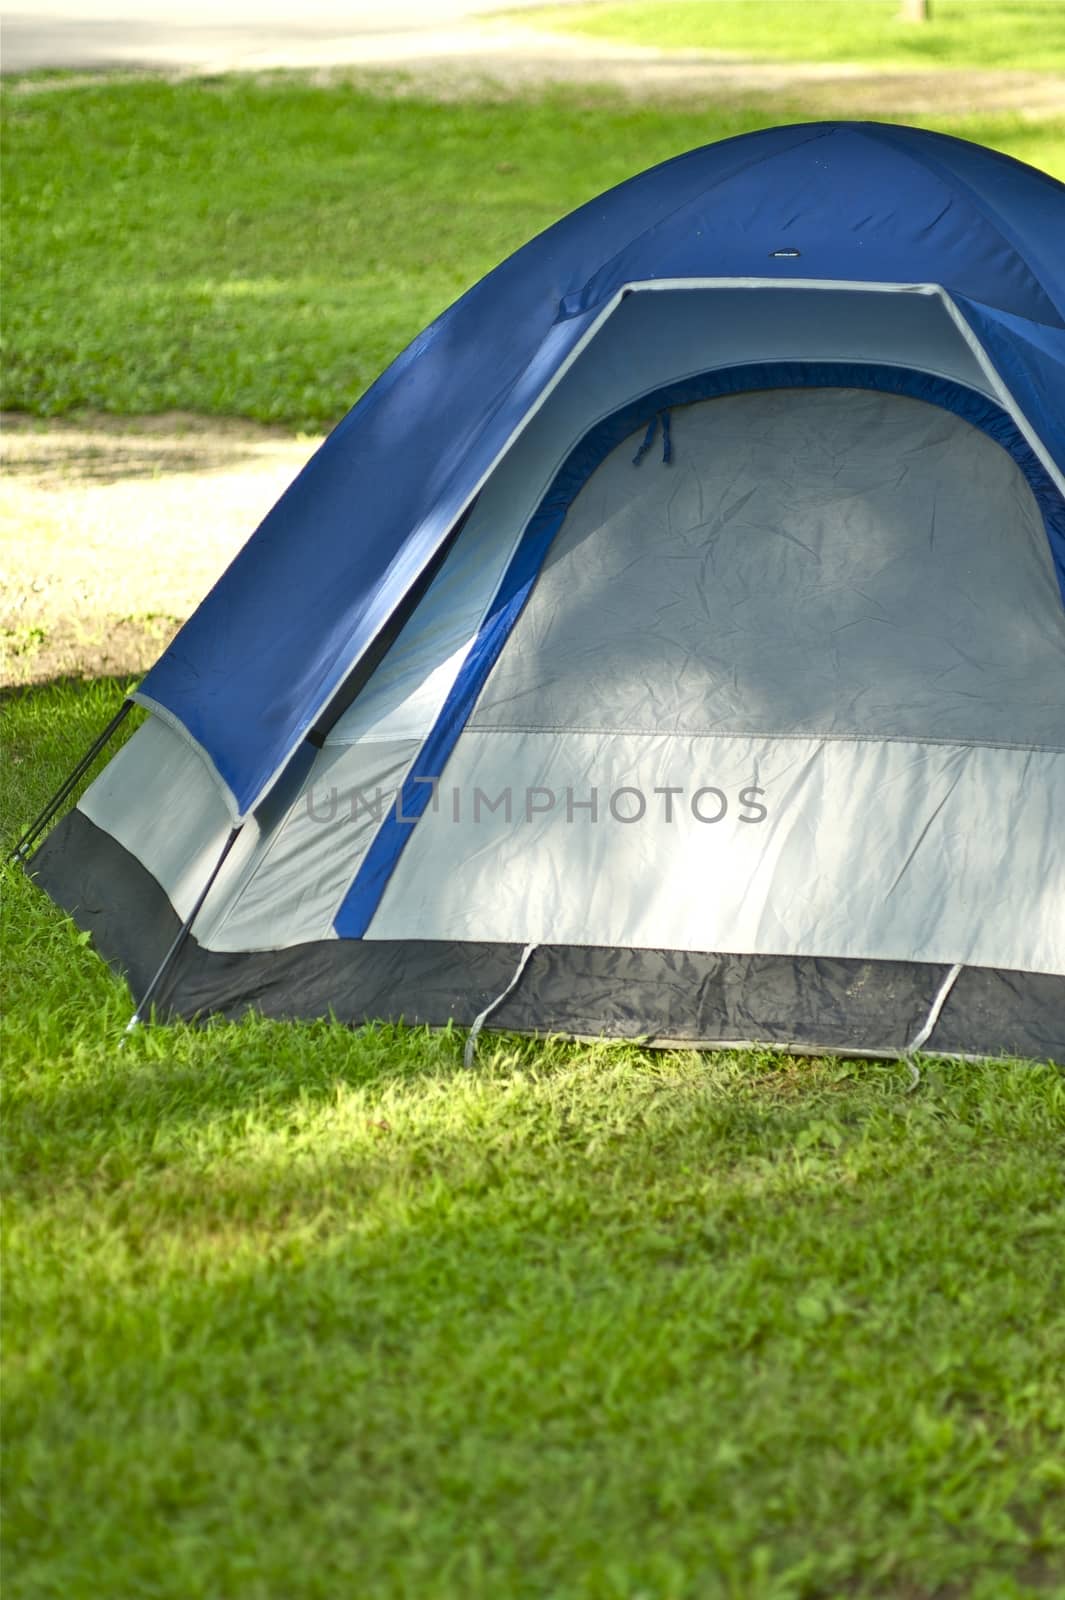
column 292, row 1310
column 959, row 33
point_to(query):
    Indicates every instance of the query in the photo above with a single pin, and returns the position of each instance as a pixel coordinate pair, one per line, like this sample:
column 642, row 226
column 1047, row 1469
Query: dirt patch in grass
column 500, row 56
column 112, row 530
column 820, row 89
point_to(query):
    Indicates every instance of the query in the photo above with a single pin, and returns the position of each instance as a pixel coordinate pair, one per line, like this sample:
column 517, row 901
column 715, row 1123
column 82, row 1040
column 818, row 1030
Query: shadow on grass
column 87, row 1111
column 79, row 696
column 516, row 1342
column 93, row 449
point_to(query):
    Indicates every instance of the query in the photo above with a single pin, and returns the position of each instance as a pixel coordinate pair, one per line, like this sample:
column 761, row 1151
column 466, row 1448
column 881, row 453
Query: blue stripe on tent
column 364, row 896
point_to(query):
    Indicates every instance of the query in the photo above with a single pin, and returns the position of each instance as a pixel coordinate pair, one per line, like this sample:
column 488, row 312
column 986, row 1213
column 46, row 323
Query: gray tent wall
column 891, row 751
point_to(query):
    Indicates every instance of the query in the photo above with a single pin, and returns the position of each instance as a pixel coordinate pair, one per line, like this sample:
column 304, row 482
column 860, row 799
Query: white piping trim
column 1004, row 396
column 859, row 286
column 176, row 725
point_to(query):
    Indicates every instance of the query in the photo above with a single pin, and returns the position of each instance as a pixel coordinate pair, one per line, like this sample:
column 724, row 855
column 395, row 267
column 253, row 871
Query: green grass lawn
column 960, row 33
column 292, row 1311
column 263, row 248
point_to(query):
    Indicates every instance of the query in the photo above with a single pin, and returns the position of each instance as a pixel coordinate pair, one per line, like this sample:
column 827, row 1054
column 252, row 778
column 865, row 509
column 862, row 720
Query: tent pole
column 37, row 827
column 181, row 936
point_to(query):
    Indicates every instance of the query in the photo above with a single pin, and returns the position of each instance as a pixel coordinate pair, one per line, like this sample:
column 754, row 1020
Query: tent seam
column 878, row 132
column 801, row 736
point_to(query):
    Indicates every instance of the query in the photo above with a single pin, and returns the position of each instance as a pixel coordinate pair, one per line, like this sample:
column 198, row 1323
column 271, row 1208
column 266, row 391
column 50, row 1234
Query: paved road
column 219, row 35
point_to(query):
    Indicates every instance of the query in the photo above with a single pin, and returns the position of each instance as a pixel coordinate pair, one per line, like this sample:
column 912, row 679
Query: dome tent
column 686, row 604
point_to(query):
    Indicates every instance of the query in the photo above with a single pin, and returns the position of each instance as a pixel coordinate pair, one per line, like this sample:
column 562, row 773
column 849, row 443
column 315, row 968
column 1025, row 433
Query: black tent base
column 667, row 998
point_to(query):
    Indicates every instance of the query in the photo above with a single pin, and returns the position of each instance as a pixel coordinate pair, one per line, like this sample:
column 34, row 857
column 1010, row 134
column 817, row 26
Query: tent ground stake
column 37, row 827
